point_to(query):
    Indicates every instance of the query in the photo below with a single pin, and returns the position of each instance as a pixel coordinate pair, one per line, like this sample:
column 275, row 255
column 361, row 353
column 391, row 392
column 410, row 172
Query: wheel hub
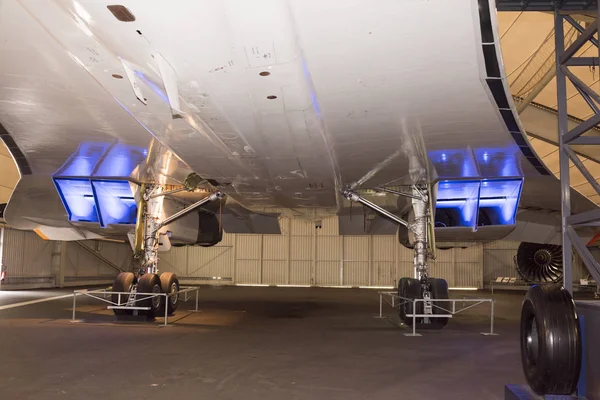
column 174, row 293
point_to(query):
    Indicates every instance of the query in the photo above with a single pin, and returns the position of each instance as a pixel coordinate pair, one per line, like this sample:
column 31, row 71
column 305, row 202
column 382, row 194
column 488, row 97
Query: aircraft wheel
column 122, row 283
column 550, row 340
column 402, row 293
column 412, row 290
column 150, row 283
column 439, row 290
column 170, row 284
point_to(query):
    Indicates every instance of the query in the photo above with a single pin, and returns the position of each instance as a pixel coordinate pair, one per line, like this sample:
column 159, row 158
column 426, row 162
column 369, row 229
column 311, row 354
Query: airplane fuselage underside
column 281, row 105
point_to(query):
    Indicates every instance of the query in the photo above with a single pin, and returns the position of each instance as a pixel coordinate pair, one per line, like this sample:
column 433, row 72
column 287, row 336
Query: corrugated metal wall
column 33, row 262
column 303, row 255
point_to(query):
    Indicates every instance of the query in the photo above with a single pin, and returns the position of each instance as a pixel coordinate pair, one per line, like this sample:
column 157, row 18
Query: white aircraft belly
column 363, row 92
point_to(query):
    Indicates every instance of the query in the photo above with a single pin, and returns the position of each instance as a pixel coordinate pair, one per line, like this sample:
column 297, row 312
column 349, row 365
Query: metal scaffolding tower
column 566, row 56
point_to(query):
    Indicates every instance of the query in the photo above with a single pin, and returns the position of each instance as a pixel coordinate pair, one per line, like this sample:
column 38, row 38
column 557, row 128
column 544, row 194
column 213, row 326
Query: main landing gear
column 142, row 287
column 421, row 236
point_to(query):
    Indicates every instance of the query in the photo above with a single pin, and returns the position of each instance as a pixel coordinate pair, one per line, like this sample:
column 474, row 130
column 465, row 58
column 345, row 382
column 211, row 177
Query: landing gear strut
column 421, row 286
column 147, row 281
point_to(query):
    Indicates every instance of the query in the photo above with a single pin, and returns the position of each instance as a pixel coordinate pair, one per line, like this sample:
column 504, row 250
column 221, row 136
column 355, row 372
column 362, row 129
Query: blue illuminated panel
column 456, row 203
column 454, row 163
column 78, row 198
column 120, row 160
column 499, row 201
column 83, row 161
column 115, row 201
column 498, row 162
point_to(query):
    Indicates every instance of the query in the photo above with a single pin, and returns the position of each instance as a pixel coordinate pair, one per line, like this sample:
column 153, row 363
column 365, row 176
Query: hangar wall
column 31, row 262
column 302, row 255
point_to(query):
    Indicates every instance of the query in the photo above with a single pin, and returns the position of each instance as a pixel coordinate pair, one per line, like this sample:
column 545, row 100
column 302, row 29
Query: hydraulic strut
column 419, row 196
column 148, row 229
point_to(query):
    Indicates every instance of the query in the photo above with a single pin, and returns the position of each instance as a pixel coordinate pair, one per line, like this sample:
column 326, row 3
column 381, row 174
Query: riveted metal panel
column 302, row 248
column 275, row 247
column 274, row 272
column 248, row 247
column 26, row 254
column 328, row 248
column 356, row 273
column 327, row 273
column 248, row 271
column 300, row 272
column 384, row 248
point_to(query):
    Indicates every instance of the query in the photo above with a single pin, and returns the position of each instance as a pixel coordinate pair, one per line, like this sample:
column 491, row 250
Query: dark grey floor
column 255, row 343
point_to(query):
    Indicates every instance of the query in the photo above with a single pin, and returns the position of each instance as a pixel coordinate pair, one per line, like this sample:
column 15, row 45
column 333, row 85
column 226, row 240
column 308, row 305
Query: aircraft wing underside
column 280, row 105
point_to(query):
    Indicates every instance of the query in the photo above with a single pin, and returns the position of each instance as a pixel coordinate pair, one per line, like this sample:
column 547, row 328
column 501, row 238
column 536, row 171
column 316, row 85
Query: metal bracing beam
column 584, row 217
column 582, row 62
column 577, row 44
column 586, row 141
column 584, row 171
column 355, row 197
column 578, row 83
column 405, row 194
column 563, row 128
column 580, row 28
column 585, row 254
column 99, row 256
column 582, row 128
column 588, row 100
column 179, row 214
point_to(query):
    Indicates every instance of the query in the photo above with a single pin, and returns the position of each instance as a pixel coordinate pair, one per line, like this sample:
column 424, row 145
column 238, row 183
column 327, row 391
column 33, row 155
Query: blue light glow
column 116, row 204
column 463, row 197
column 83, row 161
column 78, row 199
column 473, row 203
column 120, row 161
column 459, row 163
column 499, row 199
column 495, row 163
column 103, row 160
column 155, row 88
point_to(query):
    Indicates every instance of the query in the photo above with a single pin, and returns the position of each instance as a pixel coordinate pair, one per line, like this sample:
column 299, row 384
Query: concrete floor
column 255, row 343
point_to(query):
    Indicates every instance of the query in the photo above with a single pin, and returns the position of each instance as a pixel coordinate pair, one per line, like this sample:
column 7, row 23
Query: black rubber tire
column 168, row 284
column 402, row 293
column 439, row 290
column 150, row 283
column 122, row 283
column 412, row 290
column 550, row 340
